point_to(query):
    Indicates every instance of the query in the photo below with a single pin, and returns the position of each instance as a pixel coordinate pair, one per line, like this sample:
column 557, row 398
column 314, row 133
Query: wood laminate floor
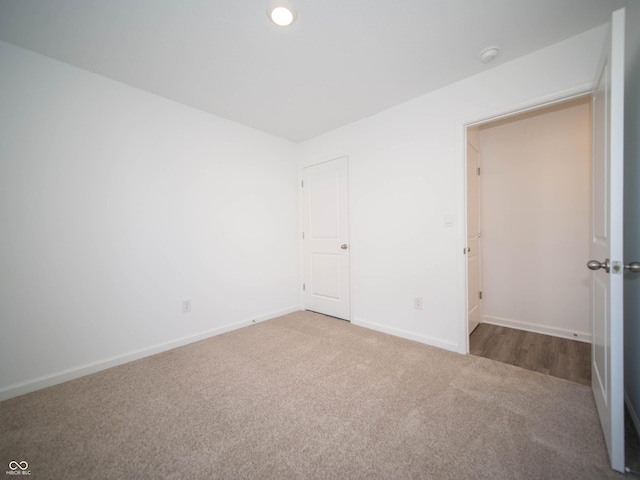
column 559, row 357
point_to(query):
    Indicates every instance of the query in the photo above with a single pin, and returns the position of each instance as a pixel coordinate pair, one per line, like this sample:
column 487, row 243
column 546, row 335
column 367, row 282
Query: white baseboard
column 434, row 342
column 632, row 413
column 93, row 367
column 537, row 328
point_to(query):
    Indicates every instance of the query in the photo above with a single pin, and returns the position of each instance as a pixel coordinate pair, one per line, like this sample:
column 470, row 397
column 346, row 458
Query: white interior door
column 474, row 301
column 606, row 242
column 326, row 238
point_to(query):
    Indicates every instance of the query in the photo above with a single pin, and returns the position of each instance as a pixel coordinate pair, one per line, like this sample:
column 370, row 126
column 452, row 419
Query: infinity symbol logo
column 23, row 465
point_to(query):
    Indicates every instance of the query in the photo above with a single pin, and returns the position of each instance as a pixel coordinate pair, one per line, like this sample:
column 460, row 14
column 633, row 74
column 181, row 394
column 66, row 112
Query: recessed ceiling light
column 282, row 14
column 489, row 54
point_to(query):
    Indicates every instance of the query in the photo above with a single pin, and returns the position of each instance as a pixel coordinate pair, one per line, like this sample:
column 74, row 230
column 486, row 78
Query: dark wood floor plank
column 559, row 357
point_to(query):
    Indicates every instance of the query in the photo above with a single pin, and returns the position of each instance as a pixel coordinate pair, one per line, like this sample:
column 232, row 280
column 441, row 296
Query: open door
column 607, row 352
column 474, row 276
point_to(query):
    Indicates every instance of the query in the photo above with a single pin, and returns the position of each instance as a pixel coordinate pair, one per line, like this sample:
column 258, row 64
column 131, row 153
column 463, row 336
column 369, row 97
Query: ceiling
column 342, row 60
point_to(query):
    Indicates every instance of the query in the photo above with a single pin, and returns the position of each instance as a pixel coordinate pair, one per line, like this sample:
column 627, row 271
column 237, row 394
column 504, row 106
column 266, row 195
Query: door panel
column 600, row 339
column 326, row 238
column 324, row 199
column 474, row 303
column 325, row 272
column 606, row 241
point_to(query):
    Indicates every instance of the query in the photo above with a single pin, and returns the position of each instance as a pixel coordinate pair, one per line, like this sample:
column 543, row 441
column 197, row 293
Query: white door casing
column 474, row 287
column 326, row 248
column 606, row 241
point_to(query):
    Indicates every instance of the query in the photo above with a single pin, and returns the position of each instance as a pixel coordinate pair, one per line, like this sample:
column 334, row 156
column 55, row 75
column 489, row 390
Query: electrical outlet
column 186, row 306
column 417, row 303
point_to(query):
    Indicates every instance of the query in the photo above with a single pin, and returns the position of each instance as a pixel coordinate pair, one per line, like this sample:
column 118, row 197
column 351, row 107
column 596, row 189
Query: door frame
column 461, row 143
column 301, row 166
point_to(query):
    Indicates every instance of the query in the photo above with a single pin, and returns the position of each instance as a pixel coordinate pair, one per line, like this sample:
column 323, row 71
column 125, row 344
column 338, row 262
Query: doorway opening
column 528, row 220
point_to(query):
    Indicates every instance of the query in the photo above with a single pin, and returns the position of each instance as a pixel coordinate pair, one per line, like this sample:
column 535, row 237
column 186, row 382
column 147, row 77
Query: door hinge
column 480, row 295
column 302, row 183
column 304, row 286
column 479, row 232
column 478, row 170
column 303, row 235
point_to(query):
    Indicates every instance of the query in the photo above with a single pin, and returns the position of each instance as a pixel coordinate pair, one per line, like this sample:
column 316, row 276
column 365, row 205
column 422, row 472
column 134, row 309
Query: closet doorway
column 530, row 226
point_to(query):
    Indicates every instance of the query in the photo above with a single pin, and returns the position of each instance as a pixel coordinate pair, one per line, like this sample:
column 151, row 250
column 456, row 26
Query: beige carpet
column 307, row 396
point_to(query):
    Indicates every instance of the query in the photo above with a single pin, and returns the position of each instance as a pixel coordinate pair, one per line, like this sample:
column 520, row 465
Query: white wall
column 406, row 171
column 536, row 204
column 115, row 206
column 632, row 211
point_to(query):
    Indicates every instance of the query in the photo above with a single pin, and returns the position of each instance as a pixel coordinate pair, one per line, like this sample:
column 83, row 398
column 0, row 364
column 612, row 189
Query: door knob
column 633, row 267
column 596, row 265
column 343, row 246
